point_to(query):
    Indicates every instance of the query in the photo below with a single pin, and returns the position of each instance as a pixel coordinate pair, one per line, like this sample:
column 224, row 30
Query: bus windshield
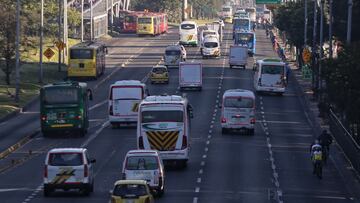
column 162, row 116
column 272, row 69
column 187, row 26
column 81, row 53
column 144, row 20
column 61, row 96
column 246, row 38
column 242, row 22
column 238, row 102
column 226, row 9
column 130, row 19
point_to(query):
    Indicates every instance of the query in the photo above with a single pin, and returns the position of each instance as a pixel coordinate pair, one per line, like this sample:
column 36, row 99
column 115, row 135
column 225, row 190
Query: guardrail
column 344, row 138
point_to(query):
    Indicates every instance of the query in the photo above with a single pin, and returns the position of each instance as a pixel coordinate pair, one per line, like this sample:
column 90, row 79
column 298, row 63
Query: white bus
column 188, row 31
column 270, row 76
column 226, row 11
column 164, row 125
column 124, row 100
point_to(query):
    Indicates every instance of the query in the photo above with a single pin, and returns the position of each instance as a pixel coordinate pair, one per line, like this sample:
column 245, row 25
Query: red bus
column 130, row 22
column 163, row 23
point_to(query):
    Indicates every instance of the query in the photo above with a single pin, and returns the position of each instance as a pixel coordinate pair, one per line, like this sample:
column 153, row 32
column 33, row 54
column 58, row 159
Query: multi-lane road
column 271, row 166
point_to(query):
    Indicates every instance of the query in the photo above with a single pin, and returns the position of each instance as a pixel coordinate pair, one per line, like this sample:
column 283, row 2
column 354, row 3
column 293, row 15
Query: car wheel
column 224, row 131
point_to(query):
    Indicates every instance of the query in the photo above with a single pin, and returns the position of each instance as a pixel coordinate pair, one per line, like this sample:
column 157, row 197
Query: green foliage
column 340, row 19
column 171, row 7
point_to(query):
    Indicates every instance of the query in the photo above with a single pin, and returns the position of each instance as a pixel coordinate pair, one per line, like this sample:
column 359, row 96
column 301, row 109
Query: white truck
column 190, row 75
column 238, row 56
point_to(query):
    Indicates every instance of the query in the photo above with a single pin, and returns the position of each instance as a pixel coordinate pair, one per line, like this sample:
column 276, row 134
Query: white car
column 145, row 165
column 68, row 168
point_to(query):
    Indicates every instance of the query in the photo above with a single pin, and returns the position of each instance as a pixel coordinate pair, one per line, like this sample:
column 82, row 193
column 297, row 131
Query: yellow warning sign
column 49, row 53
column 306, row 55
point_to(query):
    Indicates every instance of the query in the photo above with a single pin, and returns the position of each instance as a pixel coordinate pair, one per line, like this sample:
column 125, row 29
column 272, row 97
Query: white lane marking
column 98, row 105
column 197, row 189
column 202, row 163
column 204, row 156
column 198, row 180
column 201, row 171
column 14, row 189
column 195, row 200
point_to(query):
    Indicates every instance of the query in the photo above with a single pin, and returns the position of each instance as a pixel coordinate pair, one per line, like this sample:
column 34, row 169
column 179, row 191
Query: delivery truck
column 190, row 75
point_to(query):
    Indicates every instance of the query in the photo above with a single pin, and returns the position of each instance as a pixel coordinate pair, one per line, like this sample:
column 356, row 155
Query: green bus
column 64, row 107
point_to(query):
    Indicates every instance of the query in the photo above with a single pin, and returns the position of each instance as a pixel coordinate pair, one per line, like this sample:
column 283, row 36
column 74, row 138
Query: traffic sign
column 49, row 53
column 306, row 55
column 60, row 45
column 268, row 1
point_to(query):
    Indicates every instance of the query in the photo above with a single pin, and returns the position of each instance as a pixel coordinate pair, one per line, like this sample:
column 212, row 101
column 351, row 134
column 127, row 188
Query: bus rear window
column 242, row 22
column 162, row 116
column 65, row 159
column 238, row 102
column 144, row 20
column 272, row 69
column 187, row 26
column 61, row 96
column 142, row 163
column 81, row 54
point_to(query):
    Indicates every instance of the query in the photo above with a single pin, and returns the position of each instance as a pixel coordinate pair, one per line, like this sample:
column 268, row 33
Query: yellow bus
column 87, row 60
column 148, row 24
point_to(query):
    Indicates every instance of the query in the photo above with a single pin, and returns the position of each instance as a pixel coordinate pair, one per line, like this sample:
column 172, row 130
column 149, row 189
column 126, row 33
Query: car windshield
column 172, row 52
column 144, row 20
column 142, row 163
column 66, row 95
column 65, row 159
column 272, row 69
column 129, row 190
column 211, row 44
column 81, row 53
column 238, row 102
column 159, row 70
column 162, row 116
column 187, row 26
column 208, row 33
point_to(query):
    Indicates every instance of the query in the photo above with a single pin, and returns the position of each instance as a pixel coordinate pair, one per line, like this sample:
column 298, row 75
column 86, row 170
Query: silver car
column 174, row 54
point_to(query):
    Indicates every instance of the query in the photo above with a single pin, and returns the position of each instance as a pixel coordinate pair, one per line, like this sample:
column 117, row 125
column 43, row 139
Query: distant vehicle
column 68, row 168
column 241, row 24
column 205, row 33
column 246, row 38
column 238, row 56
column 130, row 22
column 159, row 74
column 87, row 59
column 252, row 14
column 164, row 125
column 211, row 46
column 190, row 75
column 270, row 76
column 238, row 110
column 188, row 33
column 151, row 24
column 124, row 99
column 228, row 19
column 267, row 15
column 226, row 11
column 145, row 165
column 64, row 107
column 174, row 54
column 134, row 191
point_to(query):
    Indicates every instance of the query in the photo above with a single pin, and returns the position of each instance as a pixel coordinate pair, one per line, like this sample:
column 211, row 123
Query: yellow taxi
column 131, row 191
column 159, row 74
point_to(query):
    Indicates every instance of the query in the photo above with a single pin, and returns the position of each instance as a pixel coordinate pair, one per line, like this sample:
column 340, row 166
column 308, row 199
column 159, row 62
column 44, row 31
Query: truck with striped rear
column 164, row 125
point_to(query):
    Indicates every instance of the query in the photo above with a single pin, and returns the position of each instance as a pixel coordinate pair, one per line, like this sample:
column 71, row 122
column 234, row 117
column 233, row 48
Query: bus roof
column 239, row 92
column 188, row 22
column 66, row 84
column 89, row 45
column 128, row 82
column 176, row 99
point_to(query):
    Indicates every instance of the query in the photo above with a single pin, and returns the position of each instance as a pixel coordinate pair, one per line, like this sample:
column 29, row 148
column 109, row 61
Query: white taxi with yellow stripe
column 68, row 168
column 210, row 46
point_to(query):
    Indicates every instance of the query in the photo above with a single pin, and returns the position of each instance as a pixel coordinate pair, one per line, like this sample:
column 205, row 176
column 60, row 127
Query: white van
column 205, row 33
column 145, row 165
column 210, row 47
column 188, row 33
column 164, row 125
column 124, row 99
column 190, row 75
column 238, row 110
column 270, row 76
column 68, row 168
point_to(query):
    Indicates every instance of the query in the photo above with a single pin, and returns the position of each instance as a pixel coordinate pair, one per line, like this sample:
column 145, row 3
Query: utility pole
column 82, row 21
column 41, row 43
column 314, row 50
column 321, row 42
column 330, row 28
column 184, row 17
column 91, row 20
column 59, row 36
column 112, row 16
column 65, row 33
column 305, row 22
column 349, row 22
column 17, row 44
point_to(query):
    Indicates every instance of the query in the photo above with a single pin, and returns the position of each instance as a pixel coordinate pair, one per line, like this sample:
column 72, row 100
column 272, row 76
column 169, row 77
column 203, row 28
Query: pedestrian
column 287, row 69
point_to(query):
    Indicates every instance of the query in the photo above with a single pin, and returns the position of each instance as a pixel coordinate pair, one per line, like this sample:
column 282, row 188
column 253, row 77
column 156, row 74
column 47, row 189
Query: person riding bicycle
column 316, row 156
column 325, row 139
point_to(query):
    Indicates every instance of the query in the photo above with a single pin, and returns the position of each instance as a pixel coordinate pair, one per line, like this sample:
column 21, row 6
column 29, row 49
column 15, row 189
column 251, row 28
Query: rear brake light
column 252, row 121
column 223, row 120
column 45, row 171
column 86, row 170
column 184, row 142
column 78, row 117
column 43, row 117
column 111, row 110
column 141, row 143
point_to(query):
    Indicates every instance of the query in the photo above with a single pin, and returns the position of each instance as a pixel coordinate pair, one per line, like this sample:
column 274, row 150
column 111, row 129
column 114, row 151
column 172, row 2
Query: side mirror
column 92, row 161
column 89, row 94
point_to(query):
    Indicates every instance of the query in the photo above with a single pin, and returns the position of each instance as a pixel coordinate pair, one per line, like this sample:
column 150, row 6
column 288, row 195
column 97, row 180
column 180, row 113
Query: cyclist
column 325, row 139
column 316, row 158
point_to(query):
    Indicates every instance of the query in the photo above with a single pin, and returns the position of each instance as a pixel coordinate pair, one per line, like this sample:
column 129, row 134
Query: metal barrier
column 344, row 138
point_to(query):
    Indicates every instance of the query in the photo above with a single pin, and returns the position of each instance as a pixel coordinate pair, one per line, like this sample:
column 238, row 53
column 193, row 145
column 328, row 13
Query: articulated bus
column 151, row 24
column 87, row 60
column 164, row 125
column 64, row 108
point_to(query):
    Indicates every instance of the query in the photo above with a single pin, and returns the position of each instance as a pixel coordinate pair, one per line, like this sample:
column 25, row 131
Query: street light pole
column 41, row 43
column 321, row 42
column 82, row 21
column 330, row 28
column 349, row 22
column 305, row 22
column 17, row 44
column 59, row 36
column 314, row 83
column 91, row 20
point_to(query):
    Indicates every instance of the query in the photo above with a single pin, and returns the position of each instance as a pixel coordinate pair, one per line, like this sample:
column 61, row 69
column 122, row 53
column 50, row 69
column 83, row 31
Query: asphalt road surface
column 271, row 166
